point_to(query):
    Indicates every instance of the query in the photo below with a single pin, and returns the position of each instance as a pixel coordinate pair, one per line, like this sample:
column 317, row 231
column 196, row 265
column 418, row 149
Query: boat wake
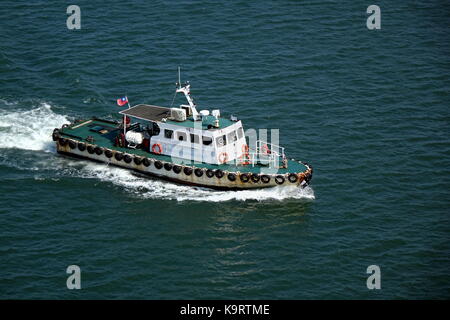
column 31, row 130
column 28, row 129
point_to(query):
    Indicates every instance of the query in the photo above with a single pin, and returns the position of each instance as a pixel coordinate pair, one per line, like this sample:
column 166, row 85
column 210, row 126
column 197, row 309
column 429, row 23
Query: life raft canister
column 157, row 148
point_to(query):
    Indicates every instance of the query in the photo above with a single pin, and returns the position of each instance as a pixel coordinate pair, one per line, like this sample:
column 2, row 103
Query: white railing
column 265, row 154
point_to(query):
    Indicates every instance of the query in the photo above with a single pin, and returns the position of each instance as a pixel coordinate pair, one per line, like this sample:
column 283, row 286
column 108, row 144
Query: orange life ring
column 265, row 149
column 223, row 157
column 156, row 148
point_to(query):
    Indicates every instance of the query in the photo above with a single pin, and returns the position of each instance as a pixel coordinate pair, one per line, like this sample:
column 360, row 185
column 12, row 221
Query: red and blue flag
column 122, row 101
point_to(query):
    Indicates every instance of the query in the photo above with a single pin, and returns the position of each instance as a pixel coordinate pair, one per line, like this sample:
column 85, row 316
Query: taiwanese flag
column 122, row 101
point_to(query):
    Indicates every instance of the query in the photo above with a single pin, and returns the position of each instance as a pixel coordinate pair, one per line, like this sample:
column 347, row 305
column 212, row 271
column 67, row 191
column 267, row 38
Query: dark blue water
column 368, row 109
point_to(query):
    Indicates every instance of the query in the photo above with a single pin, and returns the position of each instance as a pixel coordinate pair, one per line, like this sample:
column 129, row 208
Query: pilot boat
column 183, row 145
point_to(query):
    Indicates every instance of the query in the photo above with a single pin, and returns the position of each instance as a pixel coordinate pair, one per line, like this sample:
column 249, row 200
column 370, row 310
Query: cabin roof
column 155, row 113
column 147, row 112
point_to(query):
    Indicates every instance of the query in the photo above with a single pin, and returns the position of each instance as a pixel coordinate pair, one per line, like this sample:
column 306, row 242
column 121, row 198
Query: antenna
column 179, row 76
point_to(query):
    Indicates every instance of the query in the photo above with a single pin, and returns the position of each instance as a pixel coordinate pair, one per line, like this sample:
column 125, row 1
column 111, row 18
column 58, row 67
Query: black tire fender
column 265, row 178
column 158, row 164
column 198, row 172
column 127, row 158
column 98, row 151
column 232, row 176
column 219, row 173
column 244, row 177
column 177, row 169
column 118, row 156
column 209, row 173
column 292, row 177
column 279, row 179
column 81, row 146
column 188, row 171
column 146, row 162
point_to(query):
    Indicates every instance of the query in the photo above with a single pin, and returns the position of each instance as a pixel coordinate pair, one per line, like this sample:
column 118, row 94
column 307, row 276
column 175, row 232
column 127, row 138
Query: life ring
column 265, row 149
column 187, row 171
column 223, row 157
column 219, row 173
column 244, row 177
column 146, row 162
column 157, row 148
column 232, row 176
column 279, row 179
column 292, row 177
column 158, row 164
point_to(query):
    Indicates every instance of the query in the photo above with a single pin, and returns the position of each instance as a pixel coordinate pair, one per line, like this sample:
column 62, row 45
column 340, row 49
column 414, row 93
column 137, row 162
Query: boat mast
column 185, row 89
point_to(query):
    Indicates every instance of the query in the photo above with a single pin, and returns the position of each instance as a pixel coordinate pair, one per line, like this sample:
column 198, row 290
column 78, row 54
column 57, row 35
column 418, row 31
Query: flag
column 122, row 101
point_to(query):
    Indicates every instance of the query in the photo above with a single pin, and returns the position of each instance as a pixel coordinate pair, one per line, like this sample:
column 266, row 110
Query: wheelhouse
column 184, row 133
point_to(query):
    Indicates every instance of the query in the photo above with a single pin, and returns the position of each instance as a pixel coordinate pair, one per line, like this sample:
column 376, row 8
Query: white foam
column 144, row 187
column 29, row 129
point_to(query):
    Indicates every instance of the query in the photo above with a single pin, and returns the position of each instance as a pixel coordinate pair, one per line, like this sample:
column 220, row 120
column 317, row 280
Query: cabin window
column 240, row 132
column 182, row 136
column 195, row 138
column 168, row 133
column 207, row 140
column 221, row 141
column 231, row 137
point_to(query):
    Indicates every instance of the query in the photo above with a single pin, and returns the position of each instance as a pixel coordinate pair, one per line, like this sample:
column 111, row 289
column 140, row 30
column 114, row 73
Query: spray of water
column 29, row 129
